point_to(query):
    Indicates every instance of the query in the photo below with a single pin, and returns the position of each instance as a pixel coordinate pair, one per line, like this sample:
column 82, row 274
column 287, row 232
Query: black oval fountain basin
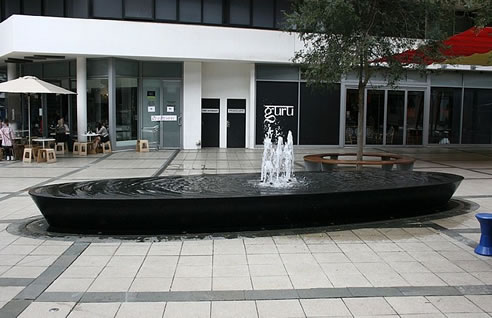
column 237, row 201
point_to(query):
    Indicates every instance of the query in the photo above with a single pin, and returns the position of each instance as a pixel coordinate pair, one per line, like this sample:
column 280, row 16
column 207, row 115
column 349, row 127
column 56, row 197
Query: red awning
column 472, row 42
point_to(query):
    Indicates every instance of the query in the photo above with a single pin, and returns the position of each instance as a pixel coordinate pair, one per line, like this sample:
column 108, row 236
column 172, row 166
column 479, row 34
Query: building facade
column 216, row 73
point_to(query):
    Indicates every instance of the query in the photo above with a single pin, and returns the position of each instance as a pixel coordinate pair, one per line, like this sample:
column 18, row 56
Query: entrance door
column 171, row 121
column 210, row 122
column 161, row 113
column 236, row 123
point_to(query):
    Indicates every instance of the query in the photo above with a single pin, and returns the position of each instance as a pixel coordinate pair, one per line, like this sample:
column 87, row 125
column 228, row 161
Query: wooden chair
column 142, row 145
column 28, row 155
column 60, row 148
column 83, row 149
column 106, row 146
column 76, row 148
column 50, row 155
column 42, row 155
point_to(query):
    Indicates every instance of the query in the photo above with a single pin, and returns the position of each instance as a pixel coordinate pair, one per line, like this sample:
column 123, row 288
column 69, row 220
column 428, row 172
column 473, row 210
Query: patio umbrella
column 31, row 85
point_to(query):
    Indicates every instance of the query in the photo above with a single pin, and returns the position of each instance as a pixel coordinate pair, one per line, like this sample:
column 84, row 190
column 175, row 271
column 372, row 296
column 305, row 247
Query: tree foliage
column 349, row 36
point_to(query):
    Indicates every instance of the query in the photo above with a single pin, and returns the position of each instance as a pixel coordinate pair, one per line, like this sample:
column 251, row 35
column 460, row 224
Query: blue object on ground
column 485, row 245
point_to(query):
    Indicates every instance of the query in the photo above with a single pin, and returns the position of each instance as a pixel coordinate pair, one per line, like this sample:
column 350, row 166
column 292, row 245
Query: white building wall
column 143, row 40
column 192, row 100
column 227, row 81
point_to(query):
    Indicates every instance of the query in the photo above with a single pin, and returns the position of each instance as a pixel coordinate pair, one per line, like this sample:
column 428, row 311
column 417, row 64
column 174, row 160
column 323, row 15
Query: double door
column 161, row 113
column 392, row 117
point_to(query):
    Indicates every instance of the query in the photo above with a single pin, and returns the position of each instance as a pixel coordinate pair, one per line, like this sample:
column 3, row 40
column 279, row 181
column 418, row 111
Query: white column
column 81, row 98
column 192, row 100
column 11, row 71
column 251, row 111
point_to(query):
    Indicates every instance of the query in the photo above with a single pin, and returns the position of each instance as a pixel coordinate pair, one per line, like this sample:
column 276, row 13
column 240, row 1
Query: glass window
column 55, row 8
column 190, row 10
column 57, row 106
column 375, row 117
column 239, row 12
column 320, row 115
column 447, row 79
column 263, row 13
column 78, row 8
column 12, row 7
column 415, row 115
column 212, row 11
column 141, row 9
column 277, row 72
column 477, row 80
column 477, row 116
column 31, row 7
column 126, row 68
column 107, row 9
column 56, row 69
column 395, row 118
column 97, row 103
column 126, row 109
column 97, row 67
column 282, row 7
column 445, row 114
column 351, row 116
column 165, row 9
column 162, row 69
column 33, row 69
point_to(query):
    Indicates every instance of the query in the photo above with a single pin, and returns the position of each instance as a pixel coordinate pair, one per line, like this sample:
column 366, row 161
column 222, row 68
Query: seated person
column 103, row 135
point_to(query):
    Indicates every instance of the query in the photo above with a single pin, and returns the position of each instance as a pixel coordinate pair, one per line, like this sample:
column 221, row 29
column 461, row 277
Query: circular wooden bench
column 329, row 161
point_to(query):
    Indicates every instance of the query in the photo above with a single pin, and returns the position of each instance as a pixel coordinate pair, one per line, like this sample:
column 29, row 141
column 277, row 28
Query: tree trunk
column 360, row 124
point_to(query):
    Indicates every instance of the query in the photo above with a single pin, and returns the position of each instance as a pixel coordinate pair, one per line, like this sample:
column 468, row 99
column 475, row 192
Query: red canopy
column 468, row 43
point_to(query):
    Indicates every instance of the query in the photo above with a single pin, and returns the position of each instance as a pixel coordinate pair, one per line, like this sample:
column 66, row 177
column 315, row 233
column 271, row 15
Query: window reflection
column 351, row 114
column 97, row 103
column 395, row 117
column 375, row 117
column 126, row 109
column 445, row 113
column 477, row 116
column 415, row 115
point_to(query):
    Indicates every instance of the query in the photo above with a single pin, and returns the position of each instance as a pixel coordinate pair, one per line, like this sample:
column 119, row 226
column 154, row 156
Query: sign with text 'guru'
column 271, row 112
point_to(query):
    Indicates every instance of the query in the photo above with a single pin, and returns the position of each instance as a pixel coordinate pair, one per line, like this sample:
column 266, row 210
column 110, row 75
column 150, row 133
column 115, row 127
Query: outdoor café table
column 43, row 140
column 90, row 136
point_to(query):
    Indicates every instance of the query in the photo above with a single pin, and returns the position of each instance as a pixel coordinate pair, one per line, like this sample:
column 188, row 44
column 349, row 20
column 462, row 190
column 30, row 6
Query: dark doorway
column 236, row 123
column 210, row 122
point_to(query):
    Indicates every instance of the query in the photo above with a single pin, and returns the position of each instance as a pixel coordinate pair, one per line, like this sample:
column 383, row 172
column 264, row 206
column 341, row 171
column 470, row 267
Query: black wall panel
column 165, row 9
column 320, row 115
column 107, row 9
column 139, row 9
column 276, row 107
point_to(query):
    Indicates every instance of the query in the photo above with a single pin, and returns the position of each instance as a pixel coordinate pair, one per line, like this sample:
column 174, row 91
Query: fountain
column 272, row 199
column 278, row 162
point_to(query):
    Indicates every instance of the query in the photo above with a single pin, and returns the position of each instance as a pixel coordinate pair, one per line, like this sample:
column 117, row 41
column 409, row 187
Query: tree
column 365, row 36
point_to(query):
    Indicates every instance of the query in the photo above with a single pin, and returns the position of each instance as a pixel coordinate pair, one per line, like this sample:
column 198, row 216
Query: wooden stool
column 91, row 149
column 60, row 148
column 142, row 145
column 83, row 149
column 27, row 155
column 108, row 145
column 50, row 155
column 42, row 156
column 76, row 148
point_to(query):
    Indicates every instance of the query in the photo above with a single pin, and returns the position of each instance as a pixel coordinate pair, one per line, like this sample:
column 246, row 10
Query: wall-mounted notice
column 236, row 111
column 210, row 111
column 170, row 109
column 164, row 118
column 151, row 109
column 151, row 95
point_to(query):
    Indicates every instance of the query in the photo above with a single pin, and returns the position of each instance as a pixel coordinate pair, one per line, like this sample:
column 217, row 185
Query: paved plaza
column 403, row 268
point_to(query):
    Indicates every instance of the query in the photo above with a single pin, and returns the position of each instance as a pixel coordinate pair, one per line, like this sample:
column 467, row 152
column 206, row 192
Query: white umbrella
column 31, row 85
